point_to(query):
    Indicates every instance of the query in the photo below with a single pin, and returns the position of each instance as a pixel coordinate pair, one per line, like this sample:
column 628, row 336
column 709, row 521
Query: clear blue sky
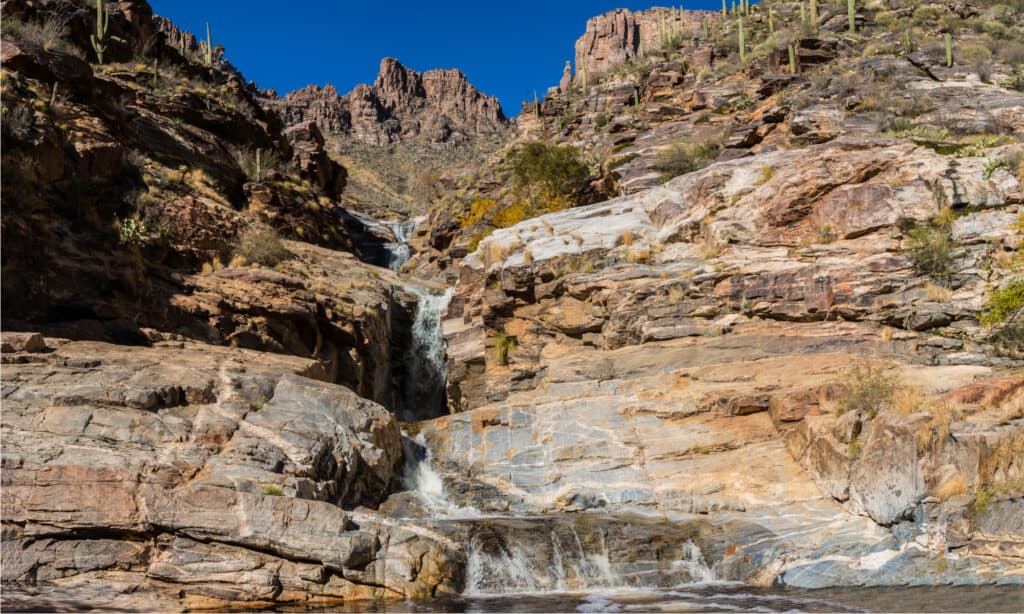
column 506, row 49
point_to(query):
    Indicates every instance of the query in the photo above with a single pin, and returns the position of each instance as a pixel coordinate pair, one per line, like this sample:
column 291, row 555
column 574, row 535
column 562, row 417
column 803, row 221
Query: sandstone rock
column 11, row 342
column 205, row 473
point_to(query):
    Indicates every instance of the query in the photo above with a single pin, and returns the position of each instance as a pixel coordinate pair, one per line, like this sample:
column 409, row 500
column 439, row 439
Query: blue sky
column 506, row 49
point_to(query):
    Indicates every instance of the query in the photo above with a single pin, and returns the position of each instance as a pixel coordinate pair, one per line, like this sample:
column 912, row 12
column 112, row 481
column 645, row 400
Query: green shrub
column 617, row 162
column 1004, row 302
column 601, row 120
column 273, row 490
column 504, row 344
column 867, row 388
column 133, row 232
column 550, row 170
column 683, row 158
column 261, row 245
column 931, row 250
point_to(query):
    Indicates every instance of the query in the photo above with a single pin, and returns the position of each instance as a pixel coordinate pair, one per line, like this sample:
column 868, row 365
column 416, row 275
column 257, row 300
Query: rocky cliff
column 438, row 105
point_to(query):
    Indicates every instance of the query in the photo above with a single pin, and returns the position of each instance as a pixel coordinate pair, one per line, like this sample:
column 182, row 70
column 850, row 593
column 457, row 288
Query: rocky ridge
column 438, row 105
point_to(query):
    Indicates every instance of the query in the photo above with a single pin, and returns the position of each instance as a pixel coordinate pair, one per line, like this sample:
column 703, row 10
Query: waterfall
column 693, row 563
column 425, row 377
column 531, row 555
column 420, row 478
column 399, row 251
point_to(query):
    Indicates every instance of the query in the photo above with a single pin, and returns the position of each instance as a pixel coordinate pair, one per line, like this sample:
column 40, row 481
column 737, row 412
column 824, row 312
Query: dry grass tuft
column 937, row 294
column 950, row 487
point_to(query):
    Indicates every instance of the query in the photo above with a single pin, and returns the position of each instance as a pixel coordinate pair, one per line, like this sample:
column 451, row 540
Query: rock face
column 634, row 357
column 197, row 476
column 438, row 105
column 622, row 35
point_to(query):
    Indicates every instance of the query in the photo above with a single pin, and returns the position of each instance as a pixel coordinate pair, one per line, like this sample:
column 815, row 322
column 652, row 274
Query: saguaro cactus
column 949, row 50
column 814, row 11
column 98, row 39
column 725, row 9
column 792, row 60
column 852, row 13
column 206, row 47
column 771, row 20
column 743, row 43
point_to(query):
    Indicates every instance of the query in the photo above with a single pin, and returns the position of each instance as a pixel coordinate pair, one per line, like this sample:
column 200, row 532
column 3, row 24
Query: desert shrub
column 480, row 209
column 51, row 34
column 601, row 120
column 131, row 231
column 273, row 490
column 256, row 162
column 1012, row 53
column 867, row 388
column 550, row 170
column 504, row 344
column 931, row 251
column 18, row 121
column 263, row 246
column 1004, row 302
column 511, row 215
column 683, row 158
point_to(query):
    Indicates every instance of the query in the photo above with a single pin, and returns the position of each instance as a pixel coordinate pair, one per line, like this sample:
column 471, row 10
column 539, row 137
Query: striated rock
column 622, row 35
column 203, row 475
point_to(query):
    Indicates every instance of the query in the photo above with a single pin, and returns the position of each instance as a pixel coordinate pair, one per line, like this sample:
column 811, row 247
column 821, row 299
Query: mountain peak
column 439, row 105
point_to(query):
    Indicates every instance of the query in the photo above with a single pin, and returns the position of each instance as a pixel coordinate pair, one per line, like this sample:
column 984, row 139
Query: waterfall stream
column 520, row 554
column 399, row 250
column 423, row 391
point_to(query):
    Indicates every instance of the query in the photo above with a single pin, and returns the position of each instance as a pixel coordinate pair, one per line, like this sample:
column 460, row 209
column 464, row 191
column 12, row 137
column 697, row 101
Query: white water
column 693, row 562
column 426, row 374
column 421, row 478
column 399, row 251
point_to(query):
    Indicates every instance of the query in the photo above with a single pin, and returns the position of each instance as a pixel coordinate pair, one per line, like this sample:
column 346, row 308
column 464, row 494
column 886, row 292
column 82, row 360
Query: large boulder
column 202, row 474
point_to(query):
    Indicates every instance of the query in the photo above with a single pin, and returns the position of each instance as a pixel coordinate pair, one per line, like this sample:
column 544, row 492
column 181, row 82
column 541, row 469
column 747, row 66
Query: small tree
column 550, row 171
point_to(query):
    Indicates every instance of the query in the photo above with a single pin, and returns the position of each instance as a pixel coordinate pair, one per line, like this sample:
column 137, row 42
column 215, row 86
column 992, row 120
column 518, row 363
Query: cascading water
column 423, row 392
column 398, row 252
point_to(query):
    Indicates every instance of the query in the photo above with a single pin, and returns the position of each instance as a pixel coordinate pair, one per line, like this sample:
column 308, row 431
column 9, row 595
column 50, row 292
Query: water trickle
column 693, row 563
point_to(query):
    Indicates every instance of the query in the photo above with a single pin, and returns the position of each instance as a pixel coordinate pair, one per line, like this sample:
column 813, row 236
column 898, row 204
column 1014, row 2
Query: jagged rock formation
column 438, row 105
column 619, row 36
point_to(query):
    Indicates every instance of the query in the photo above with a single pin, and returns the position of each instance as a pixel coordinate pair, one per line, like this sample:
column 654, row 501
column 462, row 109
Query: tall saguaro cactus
column 98, row 39
column 743, row 43
column 949, row 50
column 792, row 60
column 852, row 13
column 206, row 47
